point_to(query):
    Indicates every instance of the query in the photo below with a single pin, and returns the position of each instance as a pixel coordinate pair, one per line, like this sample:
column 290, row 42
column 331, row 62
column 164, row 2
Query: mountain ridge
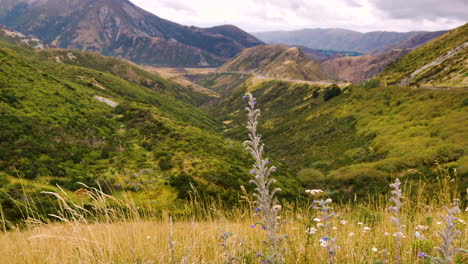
column 120, row 28
column 337, row 38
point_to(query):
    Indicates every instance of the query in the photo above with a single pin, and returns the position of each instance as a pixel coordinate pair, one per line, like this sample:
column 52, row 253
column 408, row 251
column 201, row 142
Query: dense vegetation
column 54, row 130
column 354, row 139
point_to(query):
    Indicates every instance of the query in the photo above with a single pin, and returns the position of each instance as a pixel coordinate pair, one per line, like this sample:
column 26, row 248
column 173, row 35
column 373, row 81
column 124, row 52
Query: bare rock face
column 119, row 28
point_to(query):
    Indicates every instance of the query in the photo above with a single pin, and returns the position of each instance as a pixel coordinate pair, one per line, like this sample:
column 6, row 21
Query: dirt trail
column 321, row 83
column 439, row 60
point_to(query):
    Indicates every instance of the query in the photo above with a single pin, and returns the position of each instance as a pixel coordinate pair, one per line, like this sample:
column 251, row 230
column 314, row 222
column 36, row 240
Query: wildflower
column 343, row 222
column 360, row 223
column 252, row 171
column 422, row 255
column 148, row 237
column 386, row 234
column 351, row 234
column 399, row 234
column 374, row 249
column 257, row 209
column 421, row 227
column 323, row 242
column 319, row 225
column 335, row 228
column 439, row 223
column 252, row 226
column 311, row 231
column 314, row 192
column 317, row 219
column 328, row 200
column 267, row 162
column 366, row 229
column 243, row 97
column 461, row 221
column 277, row 207
column 418, row 235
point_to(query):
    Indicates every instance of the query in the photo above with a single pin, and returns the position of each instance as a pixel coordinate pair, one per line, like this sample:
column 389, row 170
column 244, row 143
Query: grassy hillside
column 275, row 61
column 123, row 69
column 452, row 72
column 56, row 129
column 353, row 139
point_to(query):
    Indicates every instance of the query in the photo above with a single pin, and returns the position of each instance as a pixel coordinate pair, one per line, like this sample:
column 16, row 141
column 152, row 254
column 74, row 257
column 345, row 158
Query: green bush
column 308, row 177
column 331, row 91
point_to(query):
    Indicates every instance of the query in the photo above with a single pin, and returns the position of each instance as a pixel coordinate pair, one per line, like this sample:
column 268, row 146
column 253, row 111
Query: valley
column 128, row 138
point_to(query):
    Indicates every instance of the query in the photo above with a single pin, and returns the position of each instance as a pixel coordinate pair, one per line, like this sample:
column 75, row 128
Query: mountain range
column 340, row 39
column 121, row 29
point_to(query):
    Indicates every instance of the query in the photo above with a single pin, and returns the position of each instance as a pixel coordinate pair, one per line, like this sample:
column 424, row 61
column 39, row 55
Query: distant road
column 322, row 82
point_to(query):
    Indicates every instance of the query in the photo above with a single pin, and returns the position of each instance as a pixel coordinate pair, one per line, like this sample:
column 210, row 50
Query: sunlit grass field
column 119, row 231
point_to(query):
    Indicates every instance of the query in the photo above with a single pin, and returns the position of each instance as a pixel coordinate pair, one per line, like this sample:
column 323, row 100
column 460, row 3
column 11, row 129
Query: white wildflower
column 343, row 222
column 360, row 223
column 421, row 227
column 351, row 234
column 335, row 228
column 317, row 219
column 374, row 249
column 311, row 231
column 323, row 242
column 386, row 233
column 148, row 237
column 399, row 234
column 314, row 192
column 366, row 229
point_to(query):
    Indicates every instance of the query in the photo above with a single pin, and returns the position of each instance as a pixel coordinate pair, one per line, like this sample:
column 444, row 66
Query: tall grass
column 100, row 228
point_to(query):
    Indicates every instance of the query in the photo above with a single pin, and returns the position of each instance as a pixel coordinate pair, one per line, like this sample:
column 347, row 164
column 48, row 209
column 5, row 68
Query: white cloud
column 361, row 15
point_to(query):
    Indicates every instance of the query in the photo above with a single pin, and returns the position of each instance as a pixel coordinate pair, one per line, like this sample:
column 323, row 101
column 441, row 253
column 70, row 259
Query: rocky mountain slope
column 119, row 28
column 361, row 68
column 275, row 61
column 442, row 62
column 337, row 39
column 15, row 37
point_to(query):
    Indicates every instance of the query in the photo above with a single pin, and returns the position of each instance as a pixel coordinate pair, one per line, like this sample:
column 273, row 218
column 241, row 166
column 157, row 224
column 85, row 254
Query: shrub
column 310, row 176
column 331, row 91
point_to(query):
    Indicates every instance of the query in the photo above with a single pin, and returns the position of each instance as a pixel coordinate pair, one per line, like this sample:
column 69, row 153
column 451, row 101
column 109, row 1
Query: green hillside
column 123, row 69
column 63, row 124
column 452, row 72
column 352, row 140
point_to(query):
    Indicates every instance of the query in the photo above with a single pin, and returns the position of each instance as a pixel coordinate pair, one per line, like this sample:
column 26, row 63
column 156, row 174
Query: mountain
column 121, row 29
column 275, row 61
column 11, row 36
column 442, row 62
column 336, row 39
column 361, row 68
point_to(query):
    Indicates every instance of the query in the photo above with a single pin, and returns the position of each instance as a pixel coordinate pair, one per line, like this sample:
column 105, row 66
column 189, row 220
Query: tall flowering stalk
column 267, row 206
column 396, row 218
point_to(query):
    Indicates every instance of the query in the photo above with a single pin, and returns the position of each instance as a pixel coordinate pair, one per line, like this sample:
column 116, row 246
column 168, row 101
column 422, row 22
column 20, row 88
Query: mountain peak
column 122, row 29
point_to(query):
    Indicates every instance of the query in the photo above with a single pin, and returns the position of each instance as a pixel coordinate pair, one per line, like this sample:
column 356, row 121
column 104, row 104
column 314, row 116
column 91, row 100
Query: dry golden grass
column 120, row 232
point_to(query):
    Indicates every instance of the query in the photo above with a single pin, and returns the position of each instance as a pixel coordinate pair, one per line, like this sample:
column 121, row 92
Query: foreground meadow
column 118, row 231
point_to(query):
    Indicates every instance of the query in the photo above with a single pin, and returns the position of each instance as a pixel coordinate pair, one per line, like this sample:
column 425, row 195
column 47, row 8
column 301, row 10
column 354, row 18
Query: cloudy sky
column 360, row 15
